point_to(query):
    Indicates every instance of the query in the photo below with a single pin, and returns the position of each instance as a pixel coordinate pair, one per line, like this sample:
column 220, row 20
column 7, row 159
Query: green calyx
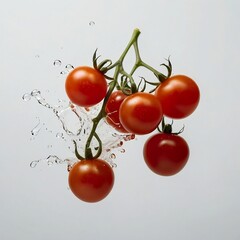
column 167, row 128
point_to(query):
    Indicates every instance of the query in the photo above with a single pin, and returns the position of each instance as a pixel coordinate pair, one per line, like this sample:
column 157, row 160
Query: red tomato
column 166, row 154
column 91, row 180
column 86, row 86
column 140, row 113
column 179, row 96
column 112, row 109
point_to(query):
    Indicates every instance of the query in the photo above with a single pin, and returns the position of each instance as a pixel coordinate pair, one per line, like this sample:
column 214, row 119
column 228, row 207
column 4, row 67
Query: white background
column 201, row 202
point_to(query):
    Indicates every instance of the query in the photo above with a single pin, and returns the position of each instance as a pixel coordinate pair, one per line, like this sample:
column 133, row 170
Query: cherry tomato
column 112, row 109
column 91, row 180
column 140, row 113
column 166, row 154
column 85, row 86
column 179, row 96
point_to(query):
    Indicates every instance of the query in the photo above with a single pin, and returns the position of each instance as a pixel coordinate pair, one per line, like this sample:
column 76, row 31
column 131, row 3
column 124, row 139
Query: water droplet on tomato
column 69, row 167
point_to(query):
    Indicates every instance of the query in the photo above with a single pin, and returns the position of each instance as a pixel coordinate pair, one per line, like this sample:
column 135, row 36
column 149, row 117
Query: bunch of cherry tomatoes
column 130, row 108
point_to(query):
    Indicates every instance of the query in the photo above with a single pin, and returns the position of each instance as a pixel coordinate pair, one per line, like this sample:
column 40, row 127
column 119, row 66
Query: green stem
column 140, row 63
column 118, row 65
column 102, row 113
column 161, row 76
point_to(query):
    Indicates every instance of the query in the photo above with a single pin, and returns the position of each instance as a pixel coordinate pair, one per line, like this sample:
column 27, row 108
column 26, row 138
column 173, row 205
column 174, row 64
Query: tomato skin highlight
column 85, row 86
column 91, row 180
column 112, row 110
column 179, row 96
column 166, row 154
column 140, row 113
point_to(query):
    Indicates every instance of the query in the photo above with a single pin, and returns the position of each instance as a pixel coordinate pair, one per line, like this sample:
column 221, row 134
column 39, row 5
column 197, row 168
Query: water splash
column 76, row 124
column 51, row 160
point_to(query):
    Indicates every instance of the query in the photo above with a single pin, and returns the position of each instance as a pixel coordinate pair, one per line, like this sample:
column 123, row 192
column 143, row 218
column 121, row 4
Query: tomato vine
column 130, row 107
column 124, row 81
column 119, row 70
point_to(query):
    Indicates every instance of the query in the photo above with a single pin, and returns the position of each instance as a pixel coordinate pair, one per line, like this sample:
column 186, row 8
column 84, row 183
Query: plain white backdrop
column 201, row 202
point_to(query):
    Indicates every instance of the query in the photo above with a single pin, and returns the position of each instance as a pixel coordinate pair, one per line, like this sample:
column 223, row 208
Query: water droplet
column 111, row 163
column 26, row 97
column 120, row 144
column 63, row 72
column 35, row 92
column 129, row 137
column 112, row 156
column 114, row 165
column 36, row 129
column 91, row 23
column 69, row 67
column 69, row 167
column 72, row 106
column 33, row 164
column 122, row 150
column 49, row 162
column 57, row 63
column 55, row 111
column 37, row 56
column 59, row 135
